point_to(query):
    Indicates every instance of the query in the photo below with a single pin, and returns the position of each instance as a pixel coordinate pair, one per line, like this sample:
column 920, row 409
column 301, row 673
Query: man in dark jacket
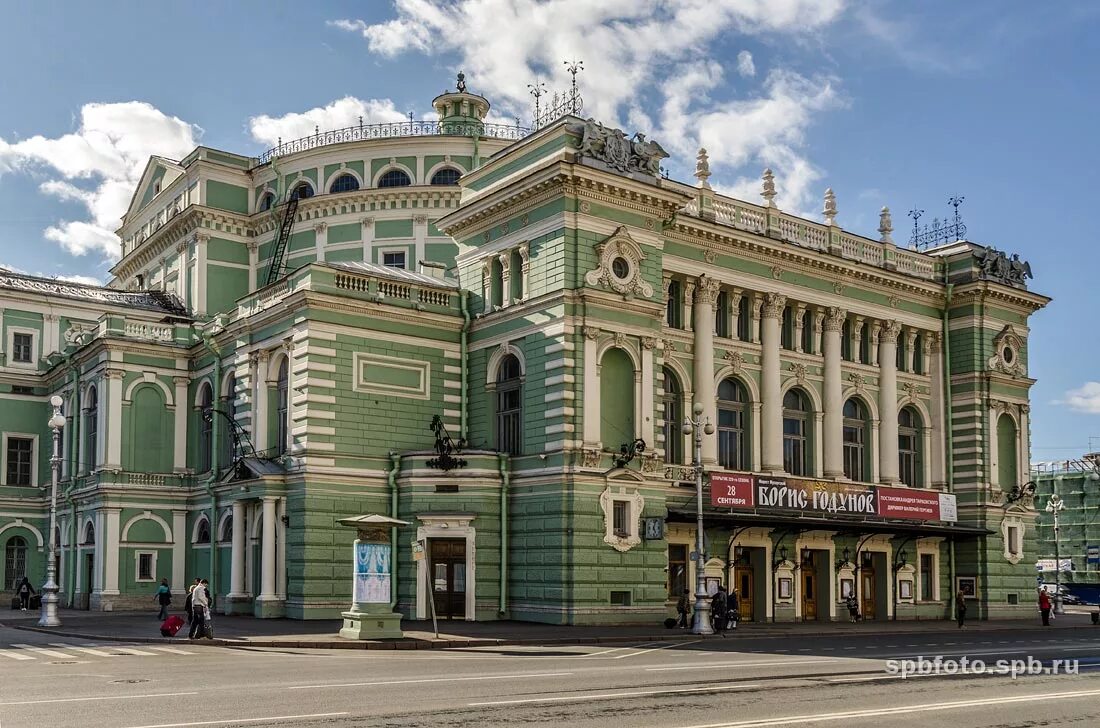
column 718, row 616
column 683, row 608
column 25, row 591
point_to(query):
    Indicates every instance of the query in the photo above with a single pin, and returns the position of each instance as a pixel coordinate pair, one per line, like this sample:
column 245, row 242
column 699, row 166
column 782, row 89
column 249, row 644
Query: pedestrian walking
column 853, row 607
column 683, row 609
column 163, row 597
column 960, row 607
column 733, row 610
column 187, row 603
column 718, row 616
column 1044, row 606
column 25, row 592
column 199, row 605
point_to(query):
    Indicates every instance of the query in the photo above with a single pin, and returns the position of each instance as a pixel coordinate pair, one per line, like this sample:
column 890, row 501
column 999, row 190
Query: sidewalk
column 248, row 631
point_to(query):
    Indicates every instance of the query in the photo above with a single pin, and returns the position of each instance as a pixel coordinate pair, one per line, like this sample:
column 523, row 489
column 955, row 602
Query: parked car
column 1067, row 596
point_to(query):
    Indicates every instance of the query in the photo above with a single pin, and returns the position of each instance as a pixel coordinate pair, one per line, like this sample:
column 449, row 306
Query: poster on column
column 372, row 573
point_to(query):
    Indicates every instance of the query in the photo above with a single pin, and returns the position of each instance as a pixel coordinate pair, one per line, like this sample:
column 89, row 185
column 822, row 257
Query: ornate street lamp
column 698, row 427
column 48, row 617
column 1054, row 507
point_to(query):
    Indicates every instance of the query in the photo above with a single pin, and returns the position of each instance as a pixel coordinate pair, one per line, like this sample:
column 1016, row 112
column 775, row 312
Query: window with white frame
column 1012, row 533
column 22, row 346
column 621, row 518
column 18, row 460
column 146, row 566
column 621, row 511
column 393, row 258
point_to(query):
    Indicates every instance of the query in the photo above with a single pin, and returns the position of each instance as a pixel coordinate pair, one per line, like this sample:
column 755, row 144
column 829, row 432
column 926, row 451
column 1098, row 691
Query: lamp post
column 48, row 617
column 1054, row 507
column 701, row 623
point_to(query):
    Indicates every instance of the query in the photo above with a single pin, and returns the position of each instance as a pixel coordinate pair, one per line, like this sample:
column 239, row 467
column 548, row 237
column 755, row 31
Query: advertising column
column 371, row 615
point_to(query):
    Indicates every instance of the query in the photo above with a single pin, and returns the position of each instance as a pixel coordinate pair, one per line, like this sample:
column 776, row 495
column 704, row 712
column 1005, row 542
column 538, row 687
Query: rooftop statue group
column 997, row 266
column 611, row 146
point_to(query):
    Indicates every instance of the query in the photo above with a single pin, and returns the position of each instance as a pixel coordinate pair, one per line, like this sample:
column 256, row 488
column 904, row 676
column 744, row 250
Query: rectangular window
column 722, row 316
column 1014, row 540
column 22, row 348
column 744, row 318
column 731, row 439
column 20, row 458
column 145, row 567
column 677, row 569
column 853, row 453
column 674, row 306
column 927, row 575
column 794, row 446
column 620, row 521
column 394, row 259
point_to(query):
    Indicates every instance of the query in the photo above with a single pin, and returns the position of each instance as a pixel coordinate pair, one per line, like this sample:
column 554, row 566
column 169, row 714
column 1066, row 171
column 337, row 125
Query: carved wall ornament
column 525, row 219
column 648, row 342
column 838, row 288
column 668, row 345
column 993, row 265
column 894, row 301
column 710, row 256
column 586, row 206
column 622, row 541
column 910, row 390
column 774, row 303
column 620, row 339
column 1025, row 410
column 799, row 370
column 591, row 458
column 591, row 332
column 857, row 382
column 612, row 147
column 1006, row 353
column 77, row 334
column 735, row 359
column 620, row 266
column 650, row 224
column 777, row 272
column 706, row 290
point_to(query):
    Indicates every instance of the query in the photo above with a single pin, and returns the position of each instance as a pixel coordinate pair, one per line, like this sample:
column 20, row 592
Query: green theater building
column 282, row 331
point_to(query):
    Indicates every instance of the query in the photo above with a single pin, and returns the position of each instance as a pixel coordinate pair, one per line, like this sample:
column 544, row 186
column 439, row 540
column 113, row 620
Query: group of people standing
column 724, row 610
column 198, row 606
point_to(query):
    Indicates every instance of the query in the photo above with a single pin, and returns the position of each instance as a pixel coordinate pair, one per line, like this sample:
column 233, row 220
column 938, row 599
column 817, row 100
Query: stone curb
column 410, row 643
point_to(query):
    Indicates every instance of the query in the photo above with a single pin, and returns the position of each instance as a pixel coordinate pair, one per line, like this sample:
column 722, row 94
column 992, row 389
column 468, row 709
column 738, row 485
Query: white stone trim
column 36, row 347
column 446, row 526
column 340, row 173
column 635, row 503
column 1013, row 548
column 138, row 553
column 149, row 378
column 147, row 516
column 391, row 167
column 20, row 523
column 497, row 358
column 4, row 456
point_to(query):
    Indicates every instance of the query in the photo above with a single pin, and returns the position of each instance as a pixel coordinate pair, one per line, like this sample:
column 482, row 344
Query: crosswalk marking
column 132, row 651
column 88, row 650
column 173, row 650
column 43, row 651
column 15, row 655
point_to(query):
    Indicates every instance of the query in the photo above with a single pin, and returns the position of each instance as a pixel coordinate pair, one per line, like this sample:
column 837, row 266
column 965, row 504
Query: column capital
column 889, row 331
column 834, row 318
column 648, row 342
column 933, row 342
column 367, row 222
column 114, row 374
column 181, row 381
column 320, row 227
column 591, row 332
column 689, row 292
column 911, row 336
column 774, row 303
column 706, row 290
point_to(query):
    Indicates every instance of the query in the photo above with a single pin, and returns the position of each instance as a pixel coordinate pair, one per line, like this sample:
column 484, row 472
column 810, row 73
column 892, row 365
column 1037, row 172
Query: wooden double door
column 447, row 566
column 867, row 592
column 746, row 595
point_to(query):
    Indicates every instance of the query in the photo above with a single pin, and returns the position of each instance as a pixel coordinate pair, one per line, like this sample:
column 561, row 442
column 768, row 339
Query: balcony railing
column 364, row 132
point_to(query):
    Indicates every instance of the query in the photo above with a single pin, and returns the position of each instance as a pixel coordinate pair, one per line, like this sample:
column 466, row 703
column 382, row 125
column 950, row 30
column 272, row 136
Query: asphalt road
column 728, row 682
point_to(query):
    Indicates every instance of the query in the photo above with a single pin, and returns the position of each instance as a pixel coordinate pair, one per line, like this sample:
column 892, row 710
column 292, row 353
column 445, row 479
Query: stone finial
column 885, row 225
column 830, row 207
column 768, row 193
column 702, row 168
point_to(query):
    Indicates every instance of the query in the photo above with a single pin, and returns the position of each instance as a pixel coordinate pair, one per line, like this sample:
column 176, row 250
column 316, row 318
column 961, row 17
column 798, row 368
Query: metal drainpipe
column 215, row 452
column 463, row 365
column 505, row 483
column 391, row 480
column 74, row 450
column 949, row 437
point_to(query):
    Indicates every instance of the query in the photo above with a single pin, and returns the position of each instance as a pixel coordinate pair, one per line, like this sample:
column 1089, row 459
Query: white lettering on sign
column 844, row 502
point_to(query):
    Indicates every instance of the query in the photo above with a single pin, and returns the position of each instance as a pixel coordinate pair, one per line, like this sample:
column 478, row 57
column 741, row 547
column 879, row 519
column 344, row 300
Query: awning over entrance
column 851, row 525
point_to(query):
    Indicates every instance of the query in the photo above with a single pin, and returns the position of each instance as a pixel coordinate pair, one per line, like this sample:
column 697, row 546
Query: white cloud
column 341, row 113
column 1085, row 398
column 649, row 61
column 745, row 65
column 99, row 164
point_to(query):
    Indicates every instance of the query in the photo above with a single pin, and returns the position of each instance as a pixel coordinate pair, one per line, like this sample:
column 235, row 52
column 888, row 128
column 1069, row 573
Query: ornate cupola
column 460, row 106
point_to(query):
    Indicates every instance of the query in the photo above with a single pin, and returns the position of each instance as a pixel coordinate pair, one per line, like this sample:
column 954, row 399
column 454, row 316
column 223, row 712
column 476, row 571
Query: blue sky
column 885, row 103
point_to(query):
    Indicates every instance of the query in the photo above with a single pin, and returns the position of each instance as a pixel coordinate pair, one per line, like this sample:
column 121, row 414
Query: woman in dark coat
column 25, row 591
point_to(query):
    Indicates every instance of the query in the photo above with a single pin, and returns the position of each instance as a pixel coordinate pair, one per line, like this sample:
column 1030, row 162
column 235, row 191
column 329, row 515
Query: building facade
column 281, row 333
column 1077, row 483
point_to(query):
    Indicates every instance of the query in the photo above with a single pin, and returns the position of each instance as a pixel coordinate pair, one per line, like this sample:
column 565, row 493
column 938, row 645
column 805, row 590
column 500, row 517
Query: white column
column 857, row 341
column 420, row 238
column 487, row 285
column 772, row 420
column 110, row 550
column 525, row 269
column 236, row 573
column 735, row 311
column 259, row 401
column 591, row 387
column 368, row 239
column 1023, row 445
column 799, row 312
column 936, row 428
column 179, row 550
column 280, row 550
column 689, row 299
column 253, row 265
column 647, row 422
column 113, row 425
column 911, row 350
column 97, row 556
column 320, row 239
column 706, row 298
column 50, row 334
column 179, row 443
column 505, row 260
column 267, row 551
column 183, row 285
column 888, row 402
column 834, row 402
column 199, row 304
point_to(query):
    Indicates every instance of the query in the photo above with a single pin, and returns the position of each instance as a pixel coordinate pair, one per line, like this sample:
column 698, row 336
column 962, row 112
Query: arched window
column 206, row 427
column 674, row 306
column 395, row 178
column 808, row 332
column 266, row 202
column 909, row 447
column 744, row 318
column 15, row 561
column 616, row 399
column 227, row 530
column 446, row 176
column 846, row 340
column 302, row 191
column 91, row 430
column 282, row 403
column 673, row 406
column 1007, row 472
column 89, row 534
column 796, row 417
column 855, row 438
column 732, row 441
column 344, row 183
column 510, row 406
column 230, row 409
column 786, row 333
column 722, row 315
column 202, row 533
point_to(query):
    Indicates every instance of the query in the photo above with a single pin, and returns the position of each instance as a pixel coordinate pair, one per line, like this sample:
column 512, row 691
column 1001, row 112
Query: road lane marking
column 98, row 697
column 900, row 710
column 14, row 655
column 173, row 650
column 709, row 665
column 235, row 721
column 432, row 680
column 654, row 649
column 862, row 679
column 89, row 650
column 132, row 651
column 604, row 696
column 43, row 651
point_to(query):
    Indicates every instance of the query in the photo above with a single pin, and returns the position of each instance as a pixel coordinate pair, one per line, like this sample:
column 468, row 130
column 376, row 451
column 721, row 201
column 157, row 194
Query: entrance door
column 809, row 594
column 448, row 569
column 742, row 580
column 89, row 573
column 867, row 592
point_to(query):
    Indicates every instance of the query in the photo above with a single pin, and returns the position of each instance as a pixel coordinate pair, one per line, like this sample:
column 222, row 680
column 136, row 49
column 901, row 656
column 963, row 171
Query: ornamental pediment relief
column 1007, row 346
column 619, row 266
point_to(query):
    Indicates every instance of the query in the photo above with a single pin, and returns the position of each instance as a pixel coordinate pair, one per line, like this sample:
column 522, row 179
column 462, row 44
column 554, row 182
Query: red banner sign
column 911, row 503
column 730, row 490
